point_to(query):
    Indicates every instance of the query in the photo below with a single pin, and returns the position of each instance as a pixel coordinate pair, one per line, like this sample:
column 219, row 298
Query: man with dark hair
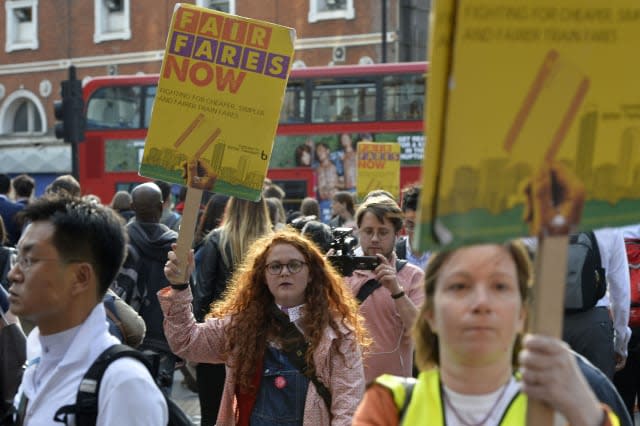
column 8, row 211
column 404, row 248
column 396, row 290
column 169, row 217
column 151, row 241
column 23, row 188
column 68, row 255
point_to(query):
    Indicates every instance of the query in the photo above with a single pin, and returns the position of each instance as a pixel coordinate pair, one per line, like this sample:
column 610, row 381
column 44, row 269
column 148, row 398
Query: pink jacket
column 200, row 342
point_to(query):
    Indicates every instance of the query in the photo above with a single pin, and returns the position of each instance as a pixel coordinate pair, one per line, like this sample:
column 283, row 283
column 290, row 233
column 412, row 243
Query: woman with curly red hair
column 285, row 299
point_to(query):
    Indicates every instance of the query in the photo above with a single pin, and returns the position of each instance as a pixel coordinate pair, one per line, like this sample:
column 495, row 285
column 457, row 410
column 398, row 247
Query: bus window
column 343, row 101
column 404, row 96
column 149, row 96
column 295, row 191
column 114, row 107
column 123, row 155
column 294, row 103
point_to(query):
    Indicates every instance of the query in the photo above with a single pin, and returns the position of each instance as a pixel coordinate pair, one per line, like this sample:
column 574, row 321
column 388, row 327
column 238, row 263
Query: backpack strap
column 372, row 285
column 401, row 249
column 366, row 289
column 19, row 414
column 596, row 250
column 86, row 407
column 600, row 270
column 297, row 355
column 115, row 323
column 400, row 263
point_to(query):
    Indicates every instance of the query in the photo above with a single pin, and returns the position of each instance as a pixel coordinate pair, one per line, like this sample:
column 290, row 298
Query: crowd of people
column 277, row 334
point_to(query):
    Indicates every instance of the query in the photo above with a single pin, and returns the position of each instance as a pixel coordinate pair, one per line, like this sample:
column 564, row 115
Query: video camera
column 343, row 259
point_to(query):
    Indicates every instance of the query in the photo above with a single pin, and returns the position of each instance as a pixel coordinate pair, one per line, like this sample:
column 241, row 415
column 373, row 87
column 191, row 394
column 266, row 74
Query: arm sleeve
column 377, row 408
column 197, row 342
column 346, row 382
column 618, row 280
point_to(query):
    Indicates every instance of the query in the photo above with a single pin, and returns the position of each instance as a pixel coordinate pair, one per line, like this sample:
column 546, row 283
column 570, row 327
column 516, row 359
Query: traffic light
column 69, row 111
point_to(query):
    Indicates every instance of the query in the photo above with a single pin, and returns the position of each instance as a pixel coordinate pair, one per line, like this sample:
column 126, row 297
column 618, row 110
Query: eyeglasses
column 382, row 233
column 26, row 262
column 293, row 266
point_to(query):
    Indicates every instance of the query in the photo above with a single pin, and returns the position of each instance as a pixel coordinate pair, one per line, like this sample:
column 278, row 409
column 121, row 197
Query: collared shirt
column 392, row 348
column 128, row 393
column 419, row 261
column 614, row 260
column 295, row 312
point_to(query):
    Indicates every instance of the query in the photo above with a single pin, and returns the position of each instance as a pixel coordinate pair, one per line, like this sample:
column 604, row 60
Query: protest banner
column 378, row 168
column 519, row 89
column 216, row 110
column 533, row 128
column 218, row 100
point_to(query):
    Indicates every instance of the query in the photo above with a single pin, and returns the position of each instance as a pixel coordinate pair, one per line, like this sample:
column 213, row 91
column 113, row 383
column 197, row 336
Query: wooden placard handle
column 188, row 228
column 546, row 310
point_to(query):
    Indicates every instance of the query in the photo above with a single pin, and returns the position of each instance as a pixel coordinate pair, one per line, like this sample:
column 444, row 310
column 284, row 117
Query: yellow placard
column 533, row 118
column 218, row 101
column 378, row 168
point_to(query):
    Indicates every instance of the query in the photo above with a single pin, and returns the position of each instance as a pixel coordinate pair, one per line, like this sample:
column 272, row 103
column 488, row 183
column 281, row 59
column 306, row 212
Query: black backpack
column 586, row 281
column 86, row 407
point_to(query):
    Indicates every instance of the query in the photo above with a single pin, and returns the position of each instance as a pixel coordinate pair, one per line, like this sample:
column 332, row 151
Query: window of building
column 320, row 10
column 112, row 20
column 228, row 6
column 22, row 113
column 21, row 24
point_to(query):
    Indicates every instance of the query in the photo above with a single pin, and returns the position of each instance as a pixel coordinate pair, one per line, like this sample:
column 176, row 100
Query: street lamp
column 384, row 31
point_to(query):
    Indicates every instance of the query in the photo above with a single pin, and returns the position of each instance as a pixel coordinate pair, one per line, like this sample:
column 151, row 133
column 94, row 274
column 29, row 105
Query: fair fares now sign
column 378, row 167
column 218, row 101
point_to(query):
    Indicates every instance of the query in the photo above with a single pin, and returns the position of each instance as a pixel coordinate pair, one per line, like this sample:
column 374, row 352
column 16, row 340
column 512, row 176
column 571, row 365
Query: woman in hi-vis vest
column 475, row 367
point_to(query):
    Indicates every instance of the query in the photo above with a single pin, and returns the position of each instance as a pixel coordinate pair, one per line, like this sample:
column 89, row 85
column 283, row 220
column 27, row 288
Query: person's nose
column 481, row 299
column 285, row 270
column 14, row 274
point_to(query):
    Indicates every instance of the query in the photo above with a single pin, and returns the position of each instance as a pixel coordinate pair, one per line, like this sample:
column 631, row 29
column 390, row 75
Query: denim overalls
column 282, row 393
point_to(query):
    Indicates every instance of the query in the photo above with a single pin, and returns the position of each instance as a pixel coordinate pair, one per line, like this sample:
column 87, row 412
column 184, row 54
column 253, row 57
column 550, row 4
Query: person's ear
column 430, row 319
column 83, row 276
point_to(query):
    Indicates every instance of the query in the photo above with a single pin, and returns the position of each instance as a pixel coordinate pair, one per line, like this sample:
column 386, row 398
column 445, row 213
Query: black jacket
column 212, row 274
column 152, row 242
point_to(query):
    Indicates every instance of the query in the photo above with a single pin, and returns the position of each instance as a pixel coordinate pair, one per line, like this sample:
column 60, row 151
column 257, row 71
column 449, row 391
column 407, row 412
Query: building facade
column 42, row 38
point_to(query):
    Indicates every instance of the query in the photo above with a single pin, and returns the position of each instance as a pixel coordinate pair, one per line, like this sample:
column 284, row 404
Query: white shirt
column 614, row 260
column 474, row 408
column 128, row 394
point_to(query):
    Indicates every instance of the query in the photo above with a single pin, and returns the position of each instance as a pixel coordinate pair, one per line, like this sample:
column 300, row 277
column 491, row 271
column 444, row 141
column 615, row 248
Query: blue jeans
column 282, row 393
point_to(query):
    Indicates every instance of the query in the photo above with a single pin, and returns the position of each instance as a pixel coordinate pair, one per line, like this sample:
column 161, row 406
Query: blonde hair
column 243, row 223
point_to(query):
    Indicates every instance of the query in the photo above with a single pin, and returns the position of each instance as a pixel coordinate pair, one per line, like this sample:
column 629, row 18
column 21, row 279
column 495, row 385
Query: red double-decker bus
column 328, row 107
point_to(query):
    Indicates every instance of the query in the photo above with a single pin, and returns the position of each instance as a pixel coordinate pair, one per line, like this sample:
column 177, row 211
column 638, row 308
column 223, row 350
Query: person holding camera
column 390, row 294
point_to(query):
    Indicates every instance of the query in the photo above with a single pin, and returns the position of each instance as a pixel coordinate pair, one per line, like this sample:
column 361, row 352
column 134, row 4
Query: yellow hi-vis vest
column 425, row 406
